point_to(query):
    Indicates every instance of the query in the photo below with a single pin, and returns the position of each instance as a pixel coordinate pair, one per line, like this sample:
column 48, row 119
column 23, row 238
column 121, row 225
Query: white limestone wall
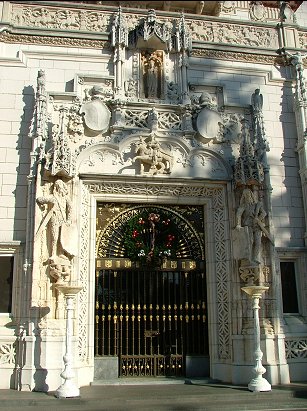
column 301, row 15
column 19, row 66
column 239, row 80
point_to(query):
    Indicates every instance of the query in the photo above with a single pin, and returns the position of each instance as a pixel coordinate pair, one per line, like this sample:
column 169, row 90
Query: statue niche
column 152, row 64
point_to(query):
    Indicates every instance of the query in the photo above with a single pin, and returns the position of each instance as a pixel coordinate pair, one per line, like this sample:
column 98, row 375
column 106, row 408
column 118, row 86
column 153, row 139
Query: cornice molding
column 237, row 56
column 105, row 45
column 54, row 41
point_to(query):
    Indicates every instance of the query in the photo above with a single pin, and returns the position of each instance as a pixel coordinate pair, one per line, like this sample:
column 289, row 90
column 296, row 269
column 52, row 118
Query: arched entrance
column 151, row 304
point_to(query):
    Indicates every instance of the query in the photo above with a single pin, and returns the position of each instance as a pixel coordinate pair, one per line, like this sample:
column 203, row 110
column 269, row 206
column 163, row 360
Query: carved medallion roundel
column 96, row 115
column 207, row 124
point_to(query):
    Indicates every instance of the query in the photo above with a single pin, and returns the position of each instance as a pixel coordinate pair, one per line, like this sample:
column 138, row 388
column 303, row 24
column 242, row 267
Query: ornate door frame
column 213, row 196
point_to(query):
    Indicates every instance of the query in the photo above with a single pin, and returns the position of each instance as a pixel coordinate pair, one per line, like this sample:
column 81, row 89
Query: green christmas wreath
column 150, row 238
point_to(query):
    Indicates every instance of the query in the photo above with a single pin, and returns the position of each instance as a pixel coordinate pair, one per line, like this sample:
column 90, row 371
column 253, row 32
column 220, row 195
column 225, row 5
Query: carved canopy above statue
column 151, row 34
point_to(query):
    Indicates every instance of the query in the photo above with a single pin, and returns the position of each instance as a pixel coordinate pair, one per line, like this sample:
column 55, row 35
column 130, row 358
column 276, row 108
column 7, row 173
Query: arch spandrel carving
column 149, row 155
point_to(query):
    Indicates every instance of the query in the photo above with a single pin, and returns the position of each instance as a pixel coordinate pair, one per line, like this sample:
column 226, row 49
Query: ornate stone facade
column 136, row 106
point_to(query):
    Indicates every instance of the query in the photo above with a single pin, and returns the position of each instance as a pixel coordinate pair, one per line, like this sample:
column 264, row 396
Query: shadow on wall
column 292, row 217
column 24, row 147
column 40, row 374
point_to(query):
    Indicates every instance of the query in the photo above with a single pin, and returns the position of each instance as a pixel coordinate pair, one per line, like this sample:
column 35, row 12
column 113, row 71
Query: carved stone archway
column 213, row 198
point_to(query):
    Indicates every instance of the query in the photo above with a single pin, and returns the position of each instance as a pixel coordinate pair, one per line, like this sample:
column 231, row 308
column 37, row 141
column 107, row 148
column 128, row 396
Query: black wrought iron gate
column 150, row 318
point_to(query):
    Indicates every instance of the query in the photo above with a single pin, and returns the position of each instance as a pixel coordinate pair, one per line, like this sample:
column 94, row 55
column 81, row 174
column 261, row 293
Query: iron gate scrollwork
column 150, row 317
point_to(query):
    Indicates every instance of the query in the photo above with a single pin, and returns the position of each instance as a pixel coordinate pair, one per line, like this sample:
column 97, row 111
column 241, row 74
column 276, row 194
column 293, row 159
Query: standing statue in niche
column 152, row 79
column 251, row 214
column 151, row 70
column 58, row 221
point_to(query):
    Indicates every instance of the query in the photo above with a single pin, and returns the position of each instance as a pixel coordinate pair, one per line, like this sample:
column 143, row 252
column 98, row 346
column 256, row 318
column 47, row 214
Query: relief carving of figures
column 172, row 91
column 152, row 74
column 232, row 127
column 152, row 160
column 57, row 18
column 250, row 225
column 131, row 88
column 233, row 34
column 61, row 233
column 201, row 31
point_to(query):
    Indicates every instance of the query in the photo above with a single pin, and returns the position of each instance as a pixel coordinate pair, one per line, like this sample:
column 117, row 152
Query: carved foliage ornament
column 296, row 348
column 54, row 41
column 7, row 354
column 237, row 56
